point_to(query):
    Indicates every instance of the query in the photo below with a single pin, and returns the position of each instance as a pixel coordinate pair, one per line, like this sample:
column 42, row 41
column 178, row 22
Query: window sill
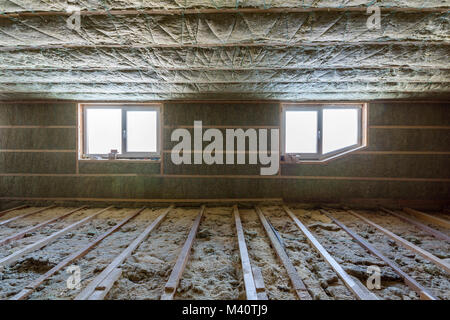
column 289, row 159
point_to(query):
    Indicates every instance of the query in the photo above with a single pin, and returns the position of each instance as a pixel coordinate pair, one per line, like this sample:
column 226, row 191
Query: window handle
column 319, row 134
column 124, row 134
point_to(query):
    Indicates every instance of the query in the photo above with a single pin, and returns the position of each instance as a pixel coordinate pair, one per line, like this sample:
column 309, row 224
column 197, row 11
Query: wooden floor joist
column 4, row 222
column 43, row 242
column 249, row 282
column 297, row 283
column 22, row 234
column 259, row 284
column 12, row 209
column 424, row 293
column 29, row 289
column 435, row 233
column 174, row 279
column 357, row 290
column 425, row 254
column 428, row 218
column 100, row 286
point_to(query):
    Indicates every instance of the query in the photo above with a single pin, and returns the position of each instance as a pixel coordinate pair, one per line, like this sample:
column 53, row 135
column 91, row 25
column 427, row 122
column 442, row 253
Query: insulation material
column 306, row 57
column 294, row 54
column 223, row 29
column 397, row 75
column 61, row 5
column 231, row 88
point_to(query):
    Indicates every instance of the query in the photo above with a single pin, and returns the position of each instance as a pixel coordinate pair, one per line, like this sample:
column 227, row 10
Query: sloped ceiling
column 219, row 49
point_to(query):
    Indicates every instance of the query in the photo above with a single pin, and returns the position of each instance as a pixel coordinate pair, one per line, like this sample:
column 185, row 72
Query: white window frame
column 124, row 108
column 319, row 156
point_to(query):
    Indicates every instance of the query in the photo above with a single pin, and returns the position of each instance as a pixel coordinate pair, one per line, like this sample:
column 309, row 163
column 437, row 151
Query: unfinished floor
column 214, row 269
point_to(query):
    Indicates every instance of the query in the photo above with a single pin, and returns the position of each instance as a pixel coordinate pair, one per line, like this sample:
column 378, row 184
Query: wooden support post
column 425, row 254
column 428, row 218
column 22, row 234
column 249, row 283
column 2, row 223
column 435, row 233
column 171, row 286
column 296, row 281
column 424, row 294
column 107, row 275
column 357, row 291
column 29, row 289
column 43, row 242
column 259, row 284
column 12, row 209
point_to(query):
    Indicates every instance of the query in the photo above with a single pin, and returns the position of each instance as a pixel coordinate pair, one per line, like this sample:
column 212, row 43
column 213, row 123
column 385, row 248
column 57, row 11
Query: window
column 321, row 132
column 131, row 131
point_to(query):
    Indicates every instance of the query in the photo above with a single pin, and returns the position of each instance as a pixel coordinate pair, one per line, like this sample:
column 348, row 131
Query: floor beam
column 249, row 282
column 102, row 281
column 424, row 293
column 425, row 254
column 4, row 222
column 297, row 283
column 428, row 218
column 43, row 242
column 29, row 289
column 22, row 234
column 174, row 279
column 12, row 209
column 357, row 291
column 435, row 233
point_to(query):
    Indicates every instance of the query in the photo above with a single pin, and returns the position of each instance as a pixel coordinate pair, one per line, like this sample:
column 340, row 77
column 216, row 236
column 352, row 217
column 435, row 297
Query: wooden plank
column 296, row 281
column 43, row 242
column 425, row 254
column 12, row 209
column 357, row 291
column 171, row 286
column 424, row 293
column 107, row 272
column 259, row 284
column 29, row 289
column 428, row 218
column 22, row 234
column 4, row 222
column 249, row 283
column 435, row 233
column 102, row 290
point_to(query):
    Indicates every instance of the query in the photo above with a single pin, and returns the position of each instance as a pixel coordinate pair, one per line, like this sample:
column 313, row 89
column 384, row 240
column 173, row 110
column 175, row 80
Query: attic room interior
column 224, row 150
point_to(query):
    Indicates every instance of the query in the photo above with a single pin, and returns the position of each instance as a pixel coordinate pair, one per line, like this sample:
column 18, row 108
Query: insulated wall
column 407, row 159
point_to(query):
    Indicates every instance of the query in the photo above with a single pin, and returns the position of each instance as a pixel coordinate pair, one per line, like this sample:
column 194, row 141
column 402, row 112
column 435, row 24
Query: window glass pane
column 301, row 131
column 340, row 129
column 104, row 130
column 142, row 131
